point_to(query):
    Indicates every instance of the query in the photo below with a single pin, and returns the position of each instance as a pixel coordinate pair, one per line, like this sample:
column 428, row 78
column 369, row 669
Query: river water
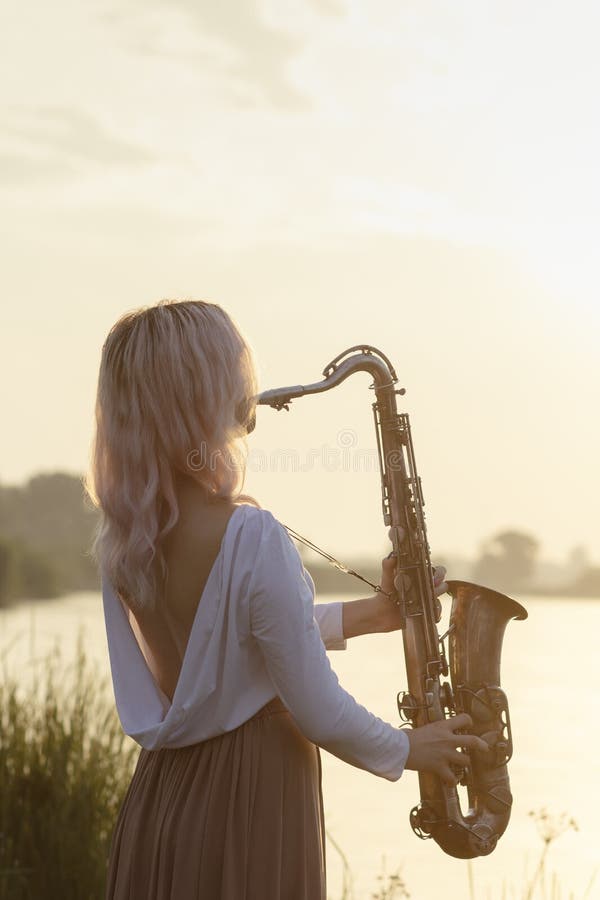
column 549, row 672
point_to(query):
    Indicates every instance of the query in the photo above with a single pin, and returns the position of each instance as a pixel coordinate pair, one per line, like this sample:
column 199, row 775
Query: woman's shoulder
column 262, row 534
column 267, row 545
column 257, row 520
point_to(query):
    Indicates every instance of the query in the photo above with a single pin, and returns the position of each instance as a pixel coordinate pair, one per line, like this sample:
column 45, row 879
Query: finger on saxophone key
column 435, row 747
column 400, row 533
column 439, row 583
column 439, row 574
column 468, row 741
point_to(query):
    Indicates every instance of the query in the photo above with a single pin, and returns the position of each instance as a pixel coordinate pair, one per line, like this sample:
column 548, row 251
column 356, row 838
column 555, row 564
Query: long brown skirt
column 236, row 817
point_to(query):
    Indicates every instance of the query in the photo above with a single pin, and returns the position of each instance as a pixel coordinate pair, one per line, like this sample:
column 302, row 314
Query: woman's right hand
column 434, row 747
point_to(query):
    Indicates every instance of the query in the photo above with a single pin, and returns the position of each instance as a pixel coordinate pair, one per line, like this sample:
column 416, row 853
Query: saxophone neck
column 361, row 358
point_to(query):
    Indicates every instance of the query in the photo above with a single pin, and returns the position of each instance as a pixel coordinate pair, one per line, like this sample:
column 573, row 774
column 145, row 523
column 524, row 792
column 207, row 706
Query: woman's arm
column 330, row 619
column 377, row 613
column 282, row 622
column 368, row 615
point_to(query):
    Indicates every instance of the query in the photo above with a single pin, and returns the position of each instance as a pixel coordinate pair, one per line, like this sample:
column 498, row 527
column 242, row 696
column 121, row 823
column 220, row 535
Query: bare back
column 190, row 551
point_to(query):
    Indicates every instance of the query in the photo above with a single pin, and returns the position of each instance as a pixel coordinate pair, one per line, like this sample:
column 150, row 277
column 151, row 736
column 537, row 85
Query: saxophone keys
column 407, row 706
column 402, row 583
column 446, row 697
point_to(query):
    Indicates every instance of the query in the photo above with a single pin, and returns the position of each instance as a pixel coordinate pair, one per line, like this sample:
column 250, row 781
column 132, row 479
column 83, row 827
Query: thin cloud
column 328, row 7
column 24, row 169
column 261, row 54
column 60, row 135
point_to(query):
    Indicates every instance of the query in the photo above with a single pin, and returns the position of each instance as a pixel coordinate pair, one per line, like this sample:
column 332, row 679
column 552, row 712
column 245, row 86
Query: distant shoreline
column 47, row 529
column 320, row 595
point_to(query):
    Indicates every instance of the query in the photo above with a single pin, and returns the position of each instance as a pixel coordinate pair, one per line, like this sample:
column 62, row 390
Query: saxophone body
column 478, row 619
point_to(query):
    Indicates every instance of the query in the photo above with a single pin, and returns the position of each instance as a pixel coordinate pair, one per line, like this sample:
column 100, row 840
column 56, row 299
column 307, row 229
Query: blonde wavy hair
column 175, row 397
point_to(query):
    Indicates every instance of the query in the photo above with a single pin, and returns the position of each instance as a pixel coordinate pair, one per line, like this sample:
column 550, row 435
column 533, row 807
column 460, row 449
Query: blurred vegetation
column 46, row 530
column 47, row 527
column 65, row 765
column 507, row 562
column 587, row 584
column 541, row 884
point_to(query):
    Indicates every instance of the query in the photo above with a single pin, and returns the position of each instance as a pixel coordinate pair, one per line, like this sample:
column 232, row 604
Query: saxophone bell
column 478, row 619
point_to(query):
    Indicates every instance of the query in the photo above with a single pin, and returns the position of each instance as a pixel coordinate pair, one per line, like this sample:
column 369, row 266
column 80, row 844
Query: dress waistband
column 271, row 708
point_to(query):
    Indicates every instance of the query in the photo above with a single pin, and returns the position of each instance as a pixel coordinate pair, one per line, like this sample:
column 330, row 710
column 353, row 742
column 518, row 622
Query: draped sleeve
column 283, row 624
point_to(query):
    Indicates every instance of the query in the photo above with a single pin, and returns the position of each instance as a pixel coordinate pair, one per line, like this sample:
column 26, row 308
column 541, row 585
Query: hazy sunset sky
column 415, row 175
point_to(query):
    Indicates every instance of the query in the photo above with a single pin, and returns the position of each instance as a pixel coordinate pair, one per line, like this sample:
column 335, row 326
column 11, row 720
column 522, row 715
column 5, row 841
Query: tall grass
column 65, row 765
column 542, row 884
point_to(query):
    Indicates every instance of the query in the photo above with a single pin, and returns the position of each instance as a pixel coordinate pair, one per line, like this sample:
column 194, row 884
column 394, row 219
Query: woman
column 218, row 655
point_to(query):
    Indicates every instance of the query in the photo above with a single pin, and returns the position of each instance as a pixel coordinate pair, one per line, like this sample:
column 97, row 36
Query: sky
column 418, row 176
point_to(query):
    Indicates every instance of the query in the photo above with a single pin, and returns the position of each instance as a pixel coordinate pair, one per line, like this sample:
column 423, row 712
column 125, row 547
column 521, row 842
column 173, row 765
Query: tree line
column 46, row 530
column 47, row 526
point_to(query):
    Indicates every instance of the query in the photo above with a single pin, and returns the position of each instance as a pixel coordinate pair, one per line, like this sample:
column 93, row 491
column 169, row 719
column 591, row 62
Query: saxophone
column 478, row 619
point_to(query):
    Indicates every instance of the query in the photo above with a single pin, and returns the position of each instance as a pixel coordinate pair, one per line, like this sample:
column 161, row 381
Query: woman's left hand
column 386, row 612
